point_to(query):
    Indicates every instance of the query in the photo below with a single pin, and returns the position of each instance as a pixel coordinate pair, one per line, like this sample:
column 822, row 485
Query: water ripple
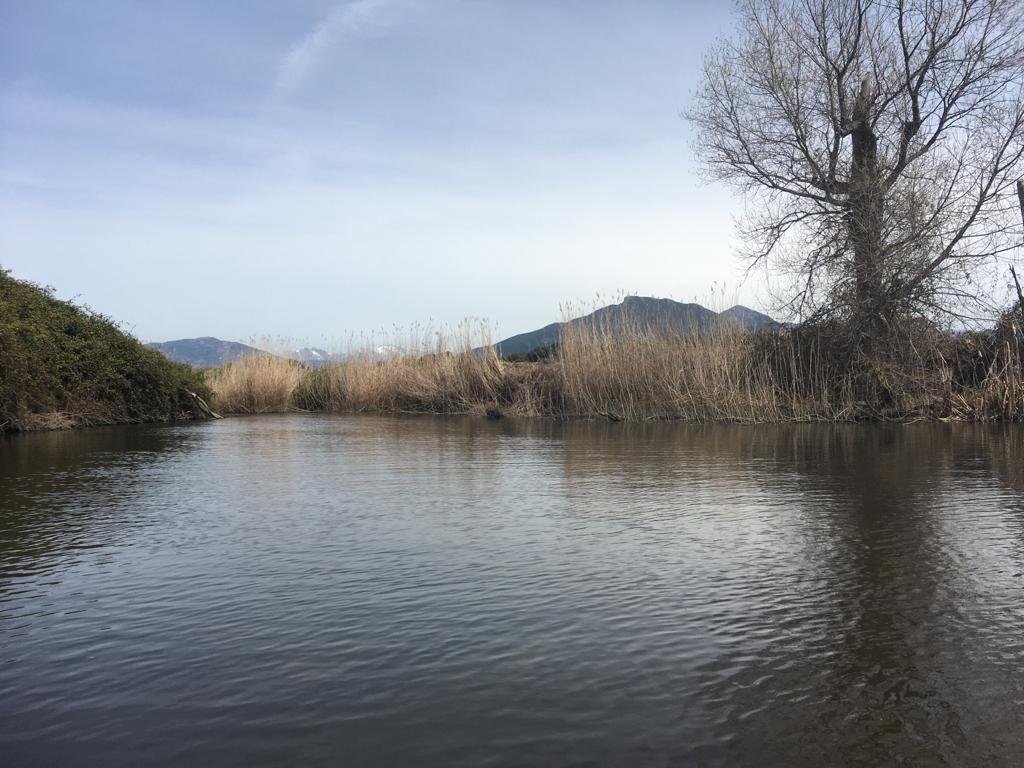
column 385, row 591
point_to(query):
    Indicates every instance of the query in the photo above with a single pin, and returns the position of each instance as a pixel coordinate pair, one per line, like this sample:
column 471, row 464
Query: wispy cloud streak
column 343, row 21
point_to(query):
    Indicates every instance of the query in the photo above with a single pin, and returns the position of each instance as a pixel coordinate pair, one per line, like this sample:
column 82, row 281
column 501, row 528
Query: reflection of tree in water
column 878, row 650
column 1005, row 452
column 875, row 660
column 865, row 679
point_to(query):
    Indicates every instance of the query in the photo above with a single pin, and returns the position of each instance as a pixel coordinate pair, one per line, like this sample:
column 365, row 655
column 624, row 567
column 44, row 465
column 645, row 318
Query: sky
column 311, row 170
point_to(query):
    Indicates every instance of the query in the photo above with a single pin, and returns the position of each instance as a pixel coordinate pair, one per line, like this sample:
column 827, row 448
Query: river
column 385, row 591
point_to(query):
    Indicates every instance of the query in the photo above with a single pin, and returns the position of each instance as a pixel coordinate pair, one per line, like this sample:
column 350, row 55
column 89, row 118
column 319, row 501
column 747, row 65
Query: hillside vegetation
column 62, row 365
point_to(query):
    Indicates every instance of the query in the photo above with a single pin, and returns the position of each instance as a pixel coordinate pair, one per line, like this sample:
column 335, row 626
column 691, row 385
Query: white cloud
column 485, row 164
column 343, row 21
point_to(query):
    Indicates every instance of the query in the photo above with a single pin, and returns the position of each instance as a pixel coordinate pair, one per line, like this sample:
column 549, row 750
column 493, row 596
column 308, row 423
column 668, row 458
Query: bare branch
column 878, row 142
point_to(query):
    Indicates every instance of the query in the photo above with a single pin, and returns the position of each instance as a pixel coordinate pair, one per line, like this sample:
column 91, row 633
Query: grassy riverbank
column 639, row 373
column 64, row 366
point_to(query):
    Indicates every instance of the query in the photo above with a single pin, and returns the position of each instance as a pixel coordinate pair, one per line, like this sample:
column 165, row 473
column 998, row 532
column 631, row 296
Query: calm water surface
column 453, row 592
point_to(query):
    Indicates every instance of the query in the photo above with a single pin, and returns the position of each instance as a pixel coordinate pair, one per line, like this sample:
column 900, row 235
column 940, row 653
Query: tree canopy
column 878, row 143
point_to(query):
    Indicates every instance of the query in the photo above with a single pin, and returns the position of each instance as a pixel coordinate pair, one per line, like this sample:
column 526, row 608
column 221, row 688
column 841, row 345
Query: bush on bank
column 62, row 365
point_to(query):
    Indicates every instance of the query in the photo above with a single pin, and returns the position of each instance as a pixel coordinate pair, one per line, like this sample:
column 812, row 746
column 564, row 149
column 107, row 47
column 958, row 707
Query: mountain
column 748, row 318
column 210, row 352
column 205, row 352
column 647, row 312
column 314, row 356
column 644, row 311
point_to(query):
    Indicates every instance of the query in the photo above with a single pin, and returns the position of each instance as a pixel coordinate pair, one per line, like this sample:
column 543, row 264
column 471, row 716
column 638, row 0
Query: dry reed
column 256, row 384
column 635, row 372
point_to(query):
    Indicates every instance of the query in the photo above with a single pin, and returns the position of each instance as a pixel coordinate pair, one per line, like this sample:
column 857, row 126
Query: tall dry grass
column 427, row 371
column 431, row 372
column 723, row 373
column 636, row 372
column 441, row 382
column 256, row 384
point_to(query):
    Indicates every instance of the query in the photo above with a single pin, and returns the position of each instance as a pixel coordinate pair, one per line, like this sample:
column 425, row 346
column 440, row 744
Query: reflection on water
column 383, row 591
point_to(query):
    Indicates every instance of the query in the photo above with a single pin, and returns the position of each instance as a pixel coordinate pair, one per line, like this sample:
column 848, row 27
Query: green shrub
column 61, row 364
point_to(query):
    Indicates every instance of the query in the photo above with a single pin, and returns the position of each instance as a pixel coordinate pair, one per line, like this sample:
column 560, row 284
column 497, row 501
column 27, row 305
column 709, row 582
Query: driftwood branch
column 202, row 406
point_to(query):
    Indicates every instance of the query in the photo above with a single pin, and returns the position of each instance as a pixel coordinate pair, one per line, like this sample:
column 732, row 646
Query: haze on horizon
column 316, row 169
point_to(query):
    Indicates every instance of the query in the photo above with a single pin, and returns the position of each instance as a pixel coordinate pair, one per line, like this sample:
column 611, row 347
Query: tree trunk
column 865, row 222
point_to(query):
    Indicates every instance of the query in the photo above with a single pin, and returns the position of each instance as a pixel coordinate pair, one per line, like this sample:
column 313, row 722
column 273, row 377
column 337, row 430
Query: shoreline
column 638, row 374
column 62, row 422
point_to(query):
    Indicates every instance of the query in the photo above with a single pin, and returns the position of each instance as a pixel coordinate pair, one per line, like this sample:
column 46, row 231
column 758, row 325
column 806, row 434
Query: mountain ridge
column 204, row 351
column 645, row 311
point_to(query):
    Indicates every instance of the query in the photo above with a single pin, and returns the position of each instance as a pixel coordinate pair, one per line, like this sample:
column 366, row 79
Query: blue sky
column 313, row 169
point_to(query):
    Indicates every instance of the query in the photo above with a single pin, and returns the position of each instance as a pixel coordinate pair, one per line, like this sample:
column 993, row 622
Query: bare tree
column 878, row 142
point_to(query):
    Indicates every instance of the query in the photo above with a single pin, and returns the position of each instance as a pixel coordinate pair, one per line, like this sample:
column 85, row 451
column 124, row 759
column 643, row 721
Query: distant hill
column 313, row 356
column 644, row 311
column 211, row 352
column 204, row 352
column 316, row 357
column 747, row 318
